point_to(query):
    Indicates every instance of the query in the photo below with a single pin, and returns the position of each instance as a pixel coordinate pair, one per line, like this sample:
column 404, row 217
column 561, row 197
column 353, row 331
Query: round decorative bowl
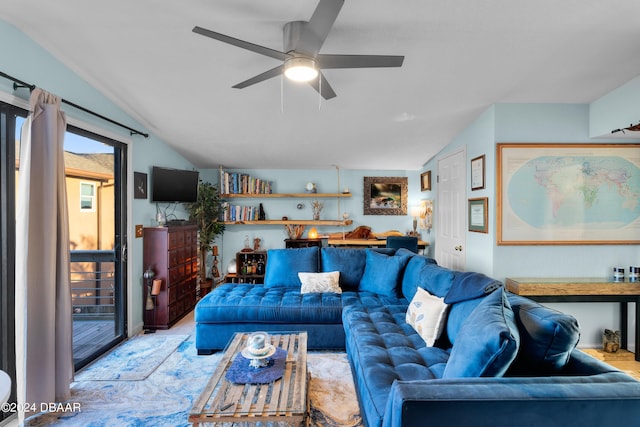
column 258, row 350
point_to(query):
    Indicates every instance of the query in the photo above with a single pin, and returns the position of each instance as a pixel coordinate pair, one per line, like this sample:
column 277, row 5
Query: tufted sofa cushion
column 245, row 303
column 383, row 348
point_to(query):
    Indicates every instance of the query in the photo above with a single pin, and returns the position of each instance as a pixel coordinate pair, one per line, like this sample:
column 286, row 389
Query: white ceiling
column 461, row 56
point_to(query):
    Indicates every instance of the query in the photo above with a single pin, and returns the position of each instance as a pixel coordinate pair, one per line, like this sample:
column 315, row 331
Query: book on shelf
column 242, row 183
column 237, row 213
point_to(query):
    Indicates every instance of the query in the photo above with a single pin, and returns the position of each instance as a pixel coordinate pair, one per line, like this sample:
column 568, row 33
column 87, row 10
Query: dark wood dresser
column 171, row 252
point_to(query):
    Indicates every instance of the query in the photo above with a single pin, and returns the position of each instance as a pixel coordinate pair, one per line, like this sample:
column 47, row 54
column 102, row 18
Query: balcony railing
column 93, row 284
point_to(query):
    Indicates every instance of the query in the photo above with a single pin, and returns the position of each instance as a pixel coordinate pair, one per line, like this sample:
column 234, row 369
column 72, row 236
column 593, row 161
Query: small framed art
column 425, row 181
column 478, row 215
column 139, row 185
column 477, row 173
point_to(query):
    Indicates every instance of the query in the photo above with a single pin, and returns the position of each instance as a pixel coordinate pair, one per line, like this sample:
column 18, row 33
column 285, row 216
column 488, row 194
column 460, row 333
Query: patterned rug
column 166, row 396
column 134, row 360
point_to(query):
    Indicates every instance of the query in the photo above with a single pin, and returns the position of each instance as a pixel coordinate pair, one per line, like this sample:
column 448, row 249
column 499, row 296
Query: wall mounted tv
column 174, row 185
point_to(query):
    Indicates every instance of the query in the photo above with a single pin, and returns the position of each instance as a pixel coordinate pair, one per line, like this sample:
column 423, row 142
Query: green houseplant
column 206, row 212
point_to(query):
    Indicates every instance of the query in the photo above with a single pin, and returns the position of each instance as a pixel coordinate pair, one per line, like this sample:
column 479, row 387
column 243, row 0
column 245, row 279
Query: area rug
column 166, row 396
column 134, row 360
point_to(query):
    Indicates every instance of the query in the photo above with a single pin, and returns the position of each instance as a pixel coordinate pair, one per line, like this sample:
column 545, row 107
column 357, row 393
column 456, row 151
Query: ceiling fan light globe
column 300, row 69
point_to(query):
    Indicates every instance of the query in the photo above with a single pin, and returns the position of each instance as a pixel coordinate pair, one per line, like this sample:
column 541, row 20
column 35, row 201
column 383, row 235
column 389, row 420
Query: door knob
column 458, row 248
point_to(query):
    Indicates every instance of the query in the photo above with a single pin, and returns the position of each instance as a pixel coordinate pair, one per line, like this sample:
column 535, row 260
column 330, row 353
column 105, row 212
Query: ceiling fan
column 301, row 58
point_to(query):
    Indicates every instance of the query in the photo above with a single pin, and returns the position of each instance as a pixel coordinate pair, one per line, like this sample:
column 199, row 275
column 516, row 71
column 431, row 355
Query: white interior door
column 451, row 211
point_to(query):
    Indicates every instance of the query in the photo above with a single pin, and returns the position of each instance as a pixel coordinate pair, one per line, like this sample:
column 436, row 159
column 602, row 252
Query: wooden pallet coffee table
column 282, row 400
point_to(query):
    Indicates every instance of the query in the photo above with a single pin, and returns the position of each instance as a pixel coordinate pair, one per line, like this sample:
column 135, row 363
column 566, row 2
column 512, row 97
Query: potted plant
column 206, row 211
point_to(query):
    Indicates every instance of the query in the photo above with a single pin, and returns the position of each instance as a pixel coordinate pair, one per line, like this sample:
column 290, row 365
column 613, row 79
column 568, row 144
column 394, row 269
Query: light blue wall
column 514, row 123
column 326, row 180
column 27, row 61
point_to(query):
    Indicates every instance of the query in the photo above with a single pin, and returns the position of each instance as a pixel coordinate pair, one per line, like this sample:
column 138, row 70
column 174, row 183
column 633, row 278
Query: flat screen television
column 174, row 185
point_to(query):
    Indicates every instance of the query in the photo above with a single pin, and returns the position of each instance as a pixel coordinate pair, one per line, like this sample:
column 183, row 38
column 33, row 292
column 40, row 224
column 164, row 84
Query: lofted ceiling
column 461, row 56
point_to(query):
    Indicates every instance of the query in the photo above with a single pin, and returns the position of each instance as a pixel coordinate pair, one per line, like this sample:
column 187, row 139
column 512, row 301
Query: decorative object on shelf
column 310, row 187
column 634, row 274
column 246, row 248
column 385, row 195
column 300, row 206
column 316, row 207
column 294, row 231
column 477, row 173
column 313, row 233
column 574, row 192
column 261, row 214
column 425, row 181
column 478, row 215
column 206, row 211
column 256, row 243
column 148, row 275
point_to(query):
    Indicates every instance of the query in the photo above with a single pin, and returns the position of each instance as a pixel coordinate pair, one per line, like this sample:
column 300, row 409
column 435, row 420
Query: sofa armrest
column 605, row 399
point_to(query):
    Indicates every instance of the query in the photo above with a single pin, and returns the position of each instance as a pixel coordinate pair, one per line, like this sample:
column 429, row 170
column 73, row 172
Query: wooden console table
column 584, row 289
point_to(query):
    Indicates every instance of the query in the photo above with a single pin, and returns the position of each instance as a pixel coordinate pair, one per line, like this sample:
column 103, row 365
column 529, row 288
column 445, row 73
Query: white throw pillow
column 320, row 282
column 426, row 314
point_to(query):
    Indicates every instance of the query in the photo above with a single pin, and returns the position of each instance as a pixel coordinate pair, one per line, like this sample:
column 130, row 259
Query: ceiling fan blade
column 327, row 90
column 241, row 43
column 261, row 77
column 318, row 27
column 359, row 61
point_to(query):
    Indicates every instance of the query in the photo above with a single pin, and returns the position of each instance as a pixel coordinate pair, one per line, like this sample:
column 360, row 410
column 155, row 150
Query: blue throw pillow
column 349, row 262
column 382, row 273
column 547, row 338
column 488, row 340
column 435, row 279
column 468, row 285
column 413, row 274
column 283, row 266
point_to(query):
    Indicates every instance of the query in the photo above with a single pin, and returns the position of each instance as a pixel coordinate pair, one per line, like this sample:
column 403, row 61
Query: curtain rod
column 17, row 84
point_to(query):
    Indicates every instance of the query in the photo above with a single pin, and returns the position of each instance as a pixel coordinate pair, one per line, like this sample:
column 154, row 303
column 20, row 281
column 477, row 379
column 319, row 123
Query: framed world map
column 568, row 194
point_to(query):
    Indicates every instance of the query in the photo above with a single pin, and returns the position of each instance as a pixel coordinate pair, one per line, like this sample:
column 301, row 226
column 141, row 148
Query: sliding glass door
column 96, row 192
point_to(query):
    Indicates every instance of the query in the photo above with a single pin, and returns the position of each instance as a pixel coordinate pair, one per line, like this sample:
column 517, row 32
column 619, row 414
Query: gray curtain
column 44, row 327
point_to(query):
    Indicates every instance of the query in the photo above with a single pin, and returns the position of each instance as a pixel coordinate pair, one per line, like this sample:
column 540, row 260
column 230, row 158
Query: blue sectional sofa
column 498, row 359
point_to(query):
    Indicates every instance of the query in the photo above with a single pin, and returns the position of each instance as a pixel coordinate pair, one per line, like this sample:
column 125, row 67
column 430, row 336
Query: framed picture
column 139, row 185
column 478, row 215
column 568, row 194
column 385, row 195
column 425, row 181
column 477, row 173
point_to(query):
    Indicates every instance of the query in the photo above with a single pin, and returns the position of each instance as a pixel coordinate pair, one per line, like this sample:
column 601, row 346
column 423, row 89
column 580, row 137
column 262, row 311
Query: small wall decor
column 385, row 195
column 478, row 215
column 139, row 185
column 425, row 181
column 567, row 194
column 477, row 173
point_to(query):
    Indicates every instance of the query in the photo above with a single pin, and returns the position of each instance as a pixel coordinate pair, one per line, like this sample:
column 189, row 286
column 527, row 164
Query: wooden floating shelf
column 282, row 195
column 292, row 222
